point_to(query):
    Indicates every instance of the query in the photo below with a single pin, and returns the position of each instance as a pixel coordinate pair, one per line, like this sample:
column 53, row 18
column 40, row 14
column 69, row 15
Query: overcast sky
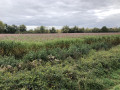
column 83, row 13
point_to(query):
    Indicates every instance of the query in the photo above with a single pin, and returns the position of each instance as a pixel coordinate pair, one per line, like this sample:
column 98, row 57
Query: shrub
column 4, row 61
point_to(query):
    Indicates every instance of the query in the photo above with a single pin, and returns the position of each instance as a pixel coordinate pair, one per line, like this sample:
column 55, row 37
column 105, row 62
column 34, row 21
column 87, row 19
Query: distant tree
column 30, row 31
column 75, row 29
column 71, row 30
column 81, row 30
column 42, row 29
column 104, row 29
column 2, row 27
column 65, row 29
column 95, row 30
column 53, row 30
column 118, row 29
column 15, row 28
column 11, row 29
column 88, row 30
column 37, row 30
column 115, row 29
column 22, row 28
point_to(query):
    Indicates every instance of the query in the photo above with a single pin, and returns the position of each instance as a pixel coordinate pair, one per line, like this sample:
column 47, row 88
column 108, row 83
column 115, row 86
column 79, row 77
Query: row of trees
column 42, row 29
column 4, row 28
column 76, row 29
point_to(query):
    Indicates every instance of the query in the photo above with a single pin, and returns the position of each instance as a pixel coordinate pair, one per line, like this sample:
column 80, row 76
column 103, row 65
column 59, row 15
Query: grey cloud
column 84, row 13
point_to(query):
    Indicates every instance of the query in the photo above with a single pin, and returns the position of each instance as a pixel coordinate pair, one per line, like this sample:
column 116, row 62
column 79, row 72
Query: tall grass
column 20, row 49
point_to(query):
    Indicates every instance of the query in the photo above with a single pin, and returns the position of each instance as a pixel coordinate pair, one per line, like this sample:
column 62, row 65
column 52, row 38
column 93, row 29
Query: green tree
column 75, row 29
column 95, row 30
column 65, row 29
column 15, row 28
column 42, row 29
column 81, row 30
column 22, row 28
column 11, row 28
column 53, row 30
column 2, row 27
column 104, row 29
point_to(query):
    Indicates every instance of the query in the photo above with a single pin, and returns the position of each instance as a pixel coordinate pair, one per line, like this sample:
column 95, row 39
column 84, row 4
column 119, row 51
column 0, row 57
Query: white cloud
column 102, row 14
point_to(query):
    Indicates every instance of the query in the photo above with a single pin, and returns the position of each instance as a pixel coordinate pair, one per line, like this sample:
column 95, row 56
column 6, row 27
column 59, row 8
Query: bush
column 4, row 61
column 32, row 55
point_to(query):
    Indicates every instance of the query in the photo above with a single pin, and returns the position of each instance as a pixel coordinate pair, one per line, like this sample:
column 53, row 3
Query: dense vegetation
column 86, row 63
column 4, row 28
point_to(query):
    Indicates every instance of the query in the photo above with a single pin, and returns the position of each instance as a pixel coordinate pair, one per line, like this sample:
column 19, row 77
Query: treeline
column 4, row 28
column 43, row 29
column 75, row 29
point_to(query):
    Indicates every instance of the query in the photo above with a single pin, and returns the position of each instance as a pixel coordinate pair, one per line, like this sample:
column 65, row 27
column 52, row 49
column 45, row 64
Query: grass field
column 46, row 37
column 73, row 61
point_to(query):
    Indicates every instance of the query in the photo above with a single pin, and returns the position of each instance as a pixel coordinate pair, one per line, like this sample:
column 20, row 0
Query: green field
column 68, row 62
